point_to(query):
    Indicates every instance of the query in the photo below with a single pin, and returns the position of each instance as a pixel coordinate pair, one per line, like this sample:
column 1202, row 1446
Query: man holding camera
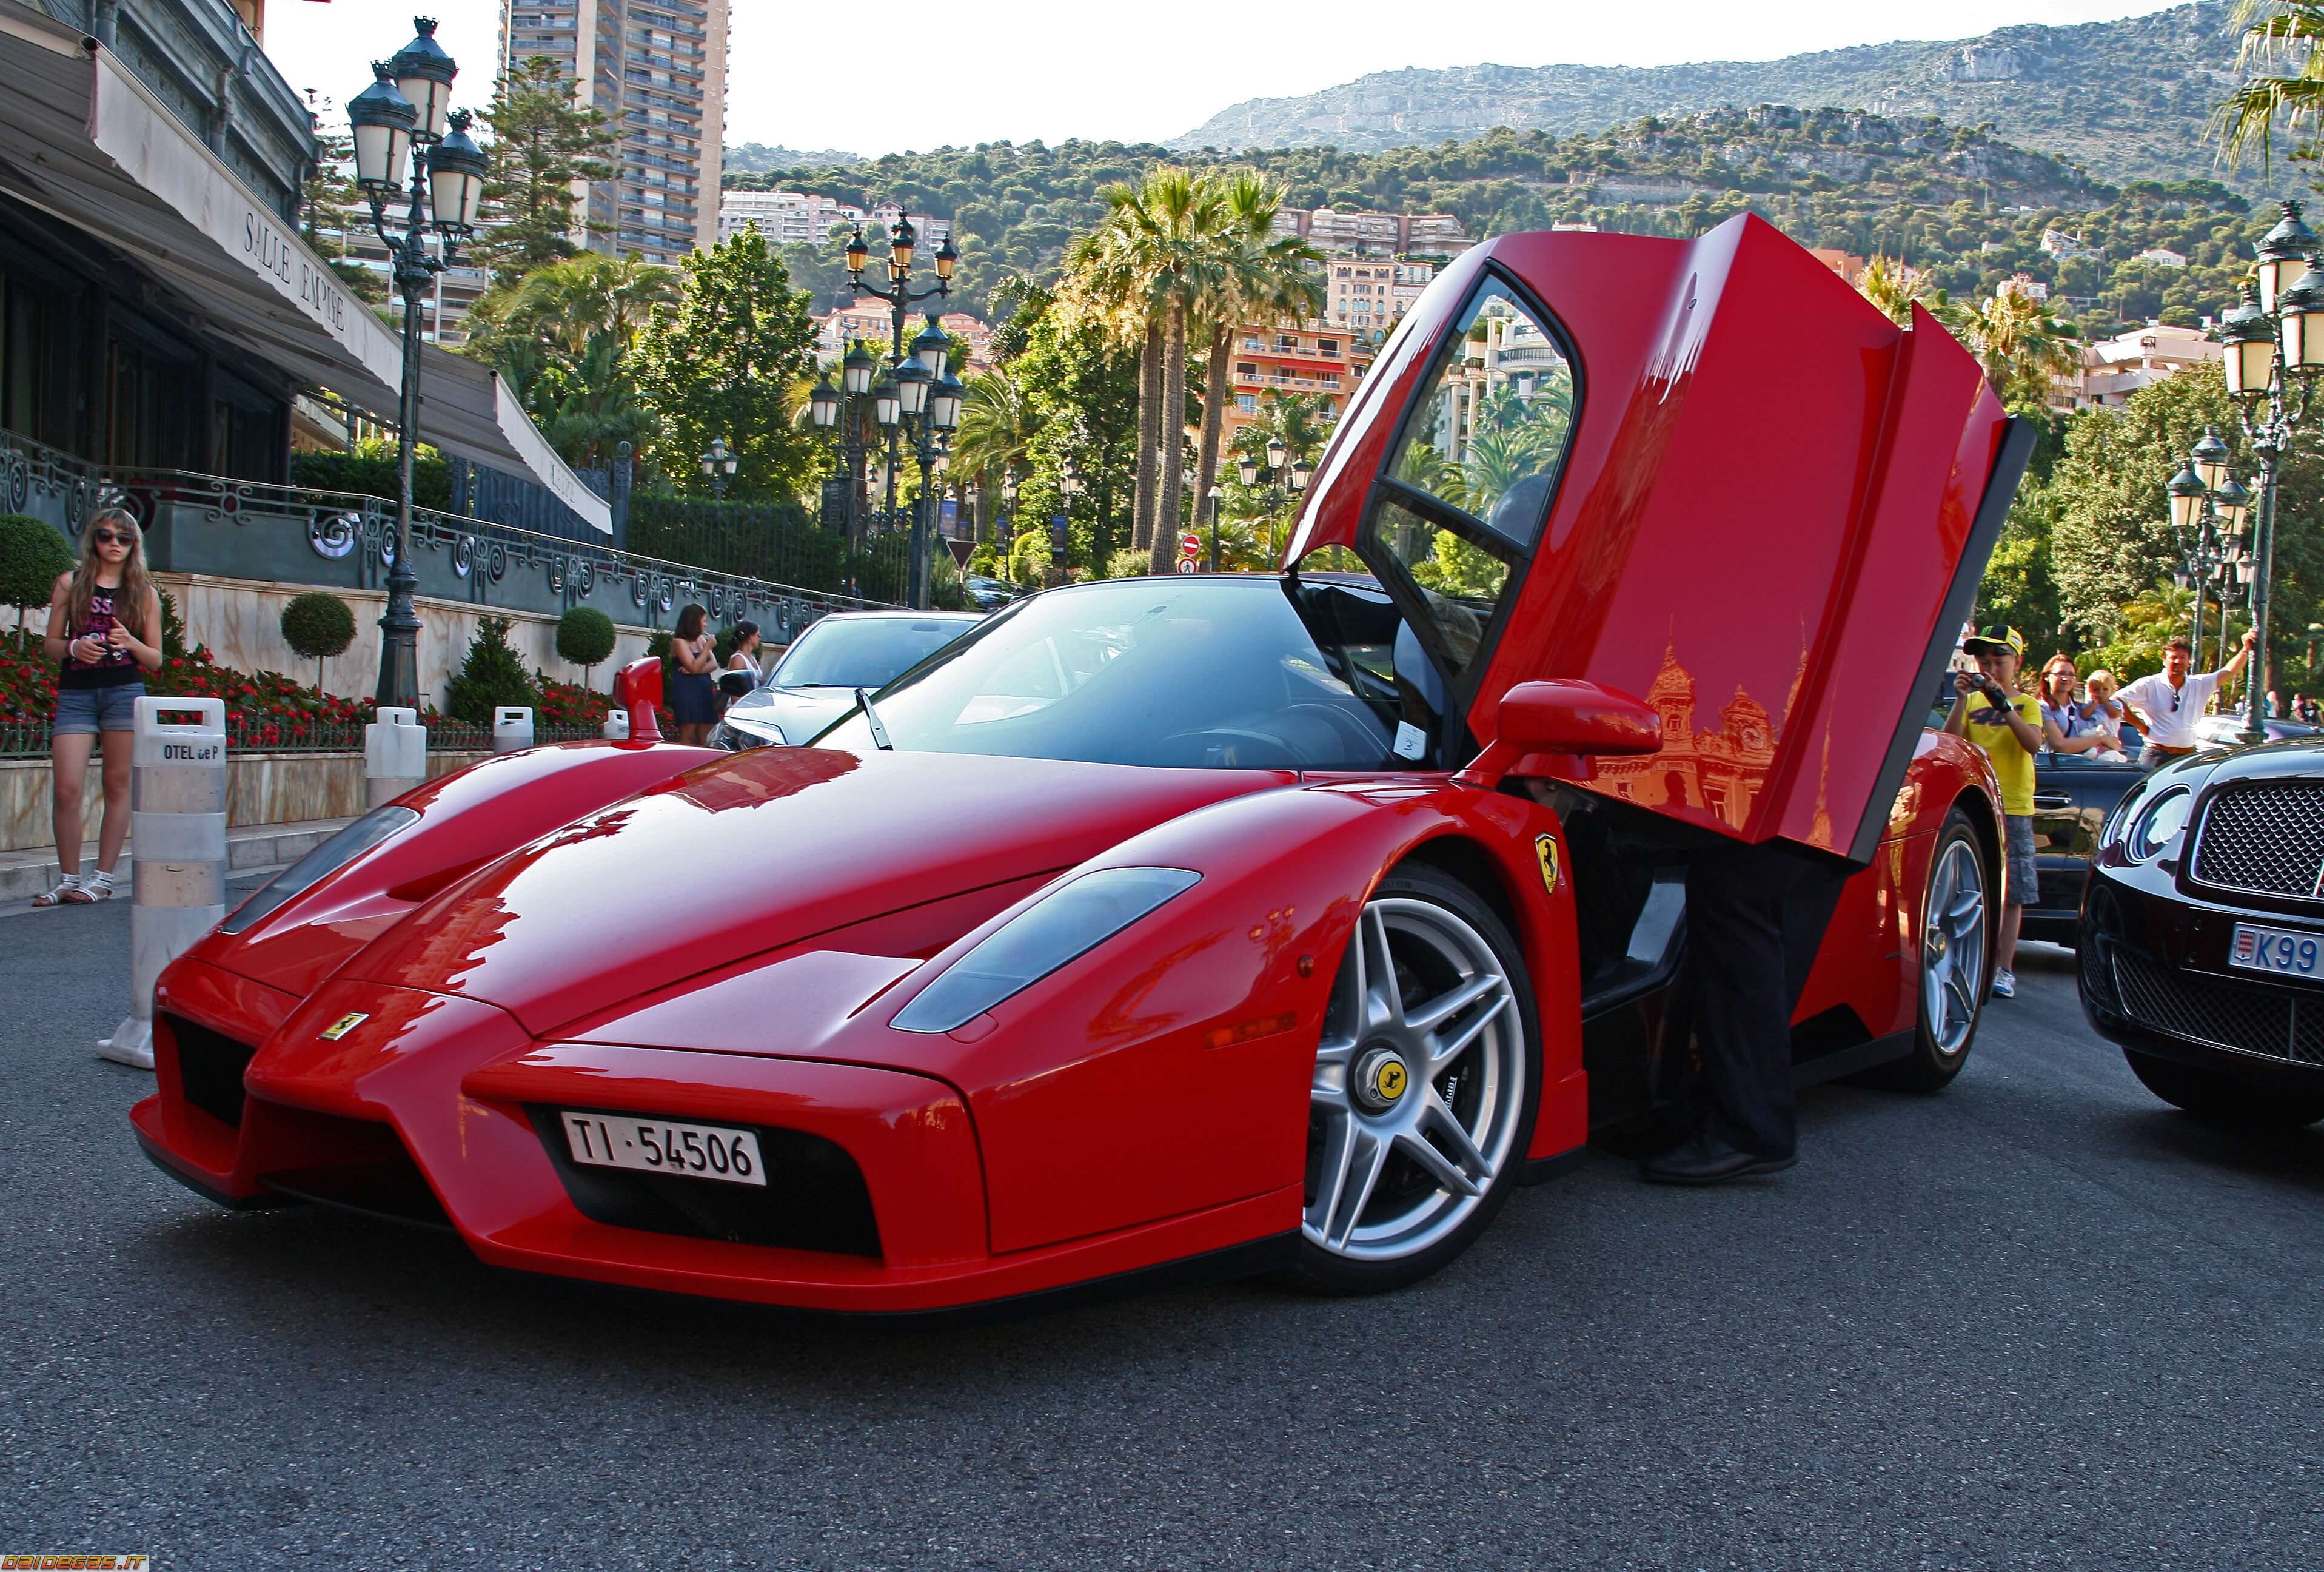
column 1988, row 710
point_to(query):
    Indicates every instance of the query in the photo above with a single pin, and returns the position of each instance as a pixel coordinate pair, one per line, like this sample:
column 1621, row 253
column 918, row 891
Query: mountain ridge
column 2127, row 100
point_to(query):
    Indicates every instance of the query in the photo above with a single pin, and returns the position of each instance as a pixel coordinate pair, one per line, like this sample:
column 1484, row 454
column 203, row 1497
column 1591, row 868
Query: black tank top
column 111, row 667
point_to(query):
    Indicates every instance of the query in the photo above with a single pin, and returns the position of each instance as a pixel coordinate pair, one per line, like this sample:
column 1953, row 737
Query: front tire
column 1956, row 949
column 1426, row 1081
column 2223, row 1102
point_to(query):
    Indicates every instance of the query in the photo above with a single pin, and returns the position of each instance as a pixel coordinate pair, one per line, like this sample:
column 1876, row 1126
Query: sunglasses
column 107, row 538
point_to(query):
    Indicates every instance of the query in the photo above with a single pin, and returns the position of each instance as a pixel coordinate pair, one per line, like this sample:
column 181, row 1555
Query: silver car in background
column 815, row 681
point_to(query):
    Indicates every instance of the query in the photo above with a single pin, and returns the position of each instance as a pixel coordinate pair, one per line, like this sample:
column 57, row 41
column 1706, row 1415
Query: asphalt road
column 2039, row 1320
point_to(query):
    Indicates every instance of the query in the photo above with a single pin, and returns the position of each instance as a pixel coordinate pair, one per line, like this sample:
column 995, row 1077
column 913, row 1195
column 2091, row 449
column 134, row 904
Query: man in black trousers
column 1754, row 918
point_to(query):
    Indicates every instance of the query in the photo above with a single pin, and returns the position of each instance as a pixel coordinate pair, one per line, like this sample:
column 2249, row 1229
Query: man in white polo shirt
column 2171, row 701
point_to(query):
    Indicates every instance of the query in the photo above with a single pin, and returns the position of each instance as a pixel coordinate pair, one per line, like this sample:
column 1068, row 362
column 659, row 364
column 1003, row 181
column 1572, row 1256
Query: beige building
column 1337, row 234
column 1372, row 296
column 2113, row 369
column 657, row 70
column 784, row 218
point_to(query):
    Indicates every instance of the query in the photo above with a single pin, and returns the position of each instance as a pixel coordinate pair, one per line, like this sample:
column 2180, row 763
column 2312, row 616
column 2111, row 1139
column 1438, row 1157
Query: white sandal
column 66, row 887
column 98, row 886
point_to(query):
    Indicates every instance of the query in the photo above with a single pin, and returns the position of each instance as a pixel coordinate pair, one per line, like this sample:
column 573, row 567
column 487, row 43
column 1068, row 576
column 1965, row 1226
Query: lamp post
column 2274, row 343
column 404, row 120
column 924, row 405
column 1214, row 528
column 719, row 464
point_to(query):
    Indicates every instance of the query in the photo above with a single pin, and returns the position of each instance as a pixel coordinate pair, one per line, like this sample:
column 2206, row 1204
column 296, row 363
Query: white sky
column 1021, row 70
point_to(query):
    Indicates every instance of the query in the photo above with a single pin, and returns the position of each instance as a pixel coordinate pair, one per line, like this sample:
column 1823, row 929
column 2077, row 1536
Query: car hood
column 765, row 849
column 801, row 712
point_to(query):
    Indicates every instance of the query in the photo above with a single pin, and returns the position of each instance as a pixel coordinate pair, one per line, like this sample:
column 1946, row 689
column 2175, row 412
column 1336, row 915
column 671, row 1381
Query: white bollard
column 395, row 756
column 176, row 838
column 617, row 726
column 512, row 729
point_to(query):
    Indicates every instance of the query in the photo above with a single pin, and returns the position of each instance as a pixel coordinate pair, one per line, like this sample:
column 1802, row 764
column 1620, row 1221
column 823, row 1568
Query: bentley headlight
column 737, row 734
column 1068, row 922
column 2159, row 824
column 324, row 860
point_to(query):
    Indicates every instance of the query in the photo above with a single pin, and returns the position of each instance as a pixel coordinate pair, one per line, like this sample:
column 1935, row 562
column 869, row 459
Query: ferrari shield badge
column 1545, row 847
column 345, row 1024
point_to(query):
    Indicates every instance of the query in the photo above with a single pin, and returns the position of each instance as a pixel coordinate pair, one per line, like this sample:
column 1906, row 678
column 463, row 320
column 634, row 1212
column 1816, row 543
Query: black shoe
column 1705, row 1161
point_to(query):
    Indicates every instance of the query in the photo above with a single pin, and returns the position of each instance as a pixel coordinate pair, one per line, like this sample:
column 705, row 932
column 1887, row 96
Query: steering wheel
column 1361, row 744
column 1274, row 753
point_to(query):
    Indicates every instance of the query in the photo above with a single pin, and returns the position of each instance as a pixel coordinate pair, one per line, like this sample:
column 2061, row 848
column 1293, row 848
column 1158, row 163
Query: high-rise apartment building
column 657, row 70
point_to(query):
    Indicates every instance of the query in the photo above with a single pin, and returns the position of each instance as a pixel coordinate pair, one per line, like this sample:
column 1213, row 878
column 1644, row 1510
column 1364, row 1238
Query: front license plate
column 2275, row 949
column 708, row 1152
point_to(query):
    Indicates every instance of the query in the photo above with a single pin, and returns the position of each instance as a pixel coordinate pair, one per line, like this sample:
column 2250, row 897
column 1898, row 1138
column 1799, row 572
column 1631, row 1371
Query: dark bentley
column 2202, row 939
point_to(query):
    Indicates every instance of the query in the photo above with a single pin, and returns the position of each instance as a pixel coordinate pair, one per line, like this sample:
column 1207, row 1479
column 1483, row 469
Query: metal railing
column 246, row 529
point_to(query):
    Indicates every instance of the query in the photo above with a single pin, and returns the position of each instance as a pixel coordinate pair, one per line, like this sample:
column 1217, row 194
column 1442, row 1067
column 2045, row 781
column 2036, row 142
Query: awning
column 84, row 141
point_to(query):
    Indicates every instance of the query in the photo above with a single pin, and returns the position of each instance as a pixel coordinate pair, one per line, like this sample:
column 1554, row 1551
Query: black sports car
column 2072, row 796
column 2202, row 939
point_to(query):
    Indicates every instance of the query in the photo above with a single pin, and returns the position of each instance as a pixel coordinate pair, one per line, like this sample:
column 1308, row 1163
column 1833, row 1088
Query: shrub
column 373, row 474
column 585, row 636
column 318, row 626
column 31, row 556
column 493, row 675
column 1129, row 562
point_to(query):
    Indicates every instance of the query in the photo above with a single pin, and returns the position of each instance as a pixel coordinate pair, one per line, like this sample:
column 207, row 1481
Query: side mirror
column 638, row 690
column 1554, row 728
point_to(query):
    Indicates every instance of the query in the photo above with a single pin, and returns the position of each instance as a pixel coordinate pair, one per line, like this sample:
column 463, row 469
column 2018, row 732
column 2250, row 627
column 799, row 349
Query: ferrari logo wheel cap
column 1381, row 1079
column 1388, row 1079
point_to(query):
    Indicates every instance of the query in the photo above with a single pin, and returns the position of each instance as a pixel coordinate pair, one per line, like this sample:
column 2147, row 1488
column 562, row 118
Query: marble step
column 25, row 874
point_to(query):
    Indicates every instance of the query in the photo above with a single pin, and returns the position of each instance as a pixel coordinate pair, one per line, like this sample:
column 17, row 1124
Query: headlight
column 2159, row 824
column 329, row 858
column 739, row 733
column 1067, row 922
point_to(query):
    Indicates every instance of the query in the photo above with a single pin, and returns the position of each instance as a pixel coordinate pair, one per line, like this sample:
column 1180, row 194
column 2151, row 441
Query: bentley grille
column 2267, row 1021
column 2267, row 839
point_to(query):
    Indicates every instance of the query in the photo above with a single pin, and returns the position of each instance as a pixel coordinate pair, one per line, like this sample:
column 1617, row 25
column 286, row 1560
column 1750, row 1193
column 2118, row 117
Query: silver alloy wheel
column 1952, row 946
column 1418, row 1082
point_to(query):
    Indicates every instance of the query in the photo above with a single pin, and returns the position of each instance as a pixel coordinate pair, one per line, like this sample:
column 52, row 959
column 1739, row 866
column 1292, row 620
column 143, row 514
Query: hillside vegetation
column 1937, row 196
column 2127, row 100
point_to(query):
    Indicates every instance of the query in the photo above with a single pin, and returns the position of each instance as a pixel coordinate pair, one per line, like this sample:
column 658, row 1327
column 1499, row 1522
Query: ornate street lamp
column 919, row 410
column 408, row 142
column 719, row 465
column 2274, row 343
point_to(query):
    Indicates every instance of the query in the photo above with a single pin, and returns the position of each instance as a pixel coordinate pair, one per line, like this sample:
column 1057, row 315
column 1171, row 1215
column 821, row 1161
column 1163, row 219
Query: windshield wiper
column 871, row 718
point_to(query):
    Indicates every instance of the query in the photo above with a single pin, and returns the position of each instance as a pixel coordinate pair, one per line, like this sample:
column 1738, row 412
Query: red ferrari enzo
column 1232, row 923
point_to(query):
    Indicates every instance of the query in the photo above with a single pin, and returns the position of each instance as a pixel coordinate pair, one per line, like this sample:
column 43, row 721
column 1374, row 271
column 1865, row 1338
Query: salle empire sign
column 268, row 249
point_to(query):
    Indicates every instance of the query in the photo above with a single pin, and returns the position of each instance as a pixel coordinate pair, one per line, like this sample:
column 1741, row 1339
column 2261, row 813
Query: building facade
column 2106, row 373
column 1337, row 234
column 657, row 69
column 1372, row 296
column 784, row 218
column 1322, row 362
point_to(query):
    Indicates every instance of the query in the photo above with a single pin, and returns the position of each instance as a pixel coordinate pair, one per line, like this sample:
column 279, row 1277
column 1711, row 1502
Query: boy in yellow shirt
column 1988, row 710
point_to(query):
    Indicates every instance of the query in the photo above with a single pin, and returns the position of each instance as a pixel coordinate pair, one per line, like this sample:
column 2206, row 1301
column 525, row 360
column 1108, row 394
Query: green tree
column 562, row 338
column 32, row 555
column 544, row 141
column 493, row 675
column 2020, row 345
column 330, row 208
column 318, row 626
column 1080, row 388
column 1893, row 288
column 727, row 361
column 2277, row 33
column 585, row 636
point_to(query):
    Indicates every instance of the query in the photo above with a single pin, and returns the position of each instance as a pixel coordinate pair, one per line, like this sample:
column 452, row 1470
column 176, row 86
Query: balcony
column 204, row 65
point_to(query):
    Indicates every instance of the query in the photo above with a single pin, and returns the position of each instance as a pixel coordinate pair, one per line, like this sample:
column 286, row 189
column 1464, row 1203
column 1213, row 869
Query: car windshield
column 850, row 653
column 1220, row 673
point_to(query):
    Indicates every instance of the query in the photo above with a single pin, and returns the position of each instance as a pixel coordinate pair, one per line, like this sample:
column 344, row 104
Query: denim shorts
column 86, row 711
column 2024, row 874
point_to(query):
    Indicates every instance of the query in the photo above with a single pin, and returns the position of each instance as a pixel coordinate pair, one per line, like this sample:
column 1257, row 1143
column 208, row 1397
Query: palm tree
column 1259, row 276
column 997, row 423
column 2275, row 32
column 2020, row 346
column 1892, row 286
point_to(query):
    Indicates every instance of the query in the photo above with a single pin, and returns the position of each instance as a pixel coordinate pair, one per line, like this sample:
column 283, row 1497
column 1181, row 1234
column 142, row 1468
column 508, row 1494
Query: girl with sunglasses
column 105, row 630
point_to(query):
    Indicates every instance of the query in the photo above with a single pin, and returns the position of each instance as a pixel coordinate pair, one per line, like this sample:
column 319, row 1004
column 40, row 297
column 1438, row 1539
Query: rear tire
column 2223, row 1102
column 1426, row 1081
column 1955, row 948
